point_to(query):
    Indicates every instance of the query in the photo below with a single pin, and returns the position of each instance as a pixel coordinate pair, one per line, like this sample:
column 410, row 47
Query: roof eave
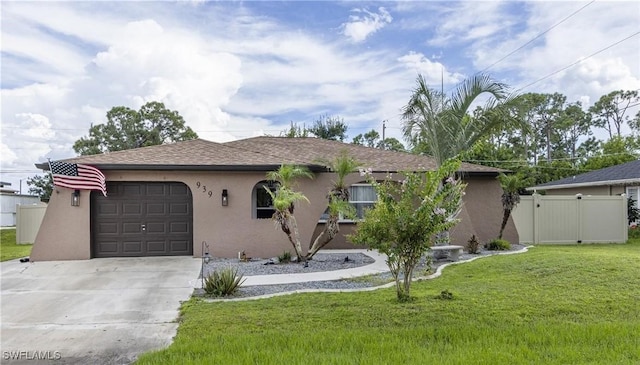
column 155, row 167
column 632, row 181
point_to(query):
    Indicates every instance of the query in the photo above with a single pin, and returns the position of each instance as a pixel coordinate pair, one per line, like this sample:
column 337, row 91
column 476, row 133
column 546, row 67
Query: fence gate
column 571, row 219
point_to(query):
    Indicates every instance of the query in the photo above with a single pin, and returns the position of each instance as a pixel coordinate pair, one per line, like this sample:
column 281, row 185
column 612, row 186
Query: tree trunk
column 288, row 224
column 505, row 219
column 331, row 229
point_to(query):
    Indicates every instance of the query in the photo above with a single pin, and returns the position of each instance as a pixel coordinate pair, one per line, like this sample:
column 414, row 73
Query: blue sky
column 246, row 68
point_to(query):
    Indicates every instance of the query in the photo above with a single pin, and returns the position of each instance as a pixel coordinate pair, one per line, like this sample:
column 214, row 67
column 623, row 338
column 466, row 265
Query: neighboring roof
column 260, row 153
column 623, row 174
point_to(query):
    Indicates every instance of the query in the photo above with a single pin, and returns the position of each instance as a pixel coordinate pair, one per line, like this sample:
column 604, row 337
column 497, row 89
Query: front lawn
column 9, row 250
column 552, row 305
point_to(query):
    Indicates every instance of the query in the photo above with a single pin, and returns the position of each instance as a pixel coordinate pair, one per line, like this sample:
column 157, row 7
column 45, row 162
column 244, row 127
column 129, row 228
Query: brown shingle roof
column 261, row 153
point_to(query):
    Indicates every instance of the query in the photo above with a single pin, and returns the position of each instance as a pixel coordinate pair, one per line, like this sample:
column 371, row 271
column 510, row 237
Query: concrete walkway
column 379, row 266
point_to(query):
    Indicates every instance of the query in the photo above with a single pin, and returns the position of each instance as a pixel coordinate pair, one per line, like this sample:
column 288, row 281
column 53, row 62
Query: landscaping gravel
column 320, row 262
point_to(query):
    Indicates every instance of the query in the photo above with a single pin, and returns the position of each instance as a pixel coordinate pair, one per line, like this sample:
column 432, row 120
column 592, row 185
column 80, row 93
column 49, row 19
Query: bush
column 473, row 246
column 285, row 258
column 223, row 282
column 634, row 231
column 445, row 294
column 498, row 245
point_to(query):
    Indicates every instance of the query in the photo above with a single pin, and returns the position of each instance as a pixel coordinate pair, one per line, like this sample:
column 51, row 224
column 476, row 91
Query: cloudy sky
column 246, row 68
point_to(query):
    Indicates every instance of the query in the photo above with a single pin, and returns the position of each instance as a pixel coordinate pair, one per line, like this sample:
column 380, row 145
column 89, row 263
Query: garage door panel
column 157, row 247
column 108, row 228
column 109, row 246
column 164, row 209
column 156, row 209
column 128, row 228
column 132, row 247
column 180, row 246
column 157, row 228
column 179, row 227
column 179, row 209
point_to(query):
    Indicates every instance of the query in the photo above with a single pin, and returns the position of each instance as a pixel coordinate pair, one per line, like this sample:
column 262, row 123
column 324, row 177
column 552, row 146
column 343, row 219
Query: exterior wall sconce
column 75, row 198
column 225, row 197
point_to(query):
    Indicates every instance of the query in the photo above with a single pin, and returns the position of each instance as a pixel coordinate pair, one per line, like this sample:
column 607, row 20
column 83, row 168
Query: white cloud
column 364, row 23
column 434, row 72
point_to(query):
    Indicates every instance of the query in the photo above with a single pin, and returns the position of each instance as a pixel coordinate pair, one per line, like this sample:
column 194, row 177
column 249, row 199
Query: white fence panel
column 571, row 219
column 28, row 220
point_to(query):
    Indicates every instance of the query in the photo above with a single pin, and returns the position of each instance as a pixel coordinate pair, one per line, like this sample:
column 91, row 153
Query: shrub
column 498, row 245
column 223, row 282
column 634, row 231
column 285, row 257
column 473, row 246
column 445, row 294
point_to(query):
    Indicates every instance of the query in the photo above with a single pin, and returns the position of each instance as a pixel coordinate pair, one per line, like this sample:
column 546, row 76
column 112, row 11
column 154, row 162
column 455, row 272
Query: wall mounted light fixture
column 225, row 197
column 75, row 198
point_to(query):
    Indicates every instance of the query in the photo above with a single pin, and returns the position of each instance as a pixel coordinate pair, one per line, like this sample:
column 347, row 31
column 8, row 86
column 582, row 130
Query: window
column 361, row 196
column 262, row 204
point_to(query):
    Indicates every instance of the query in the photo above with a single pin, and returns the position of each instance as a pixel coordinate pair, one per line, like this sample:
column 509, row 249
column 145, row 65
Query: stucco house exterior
column 169, row 199
column 613, row 180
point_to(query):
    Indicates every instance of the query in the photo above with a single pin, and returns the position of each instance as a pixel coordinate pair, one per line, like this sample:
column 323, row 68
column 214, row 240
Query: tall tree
column 610, row 110
column 326, row 127
column 126, row 128
column 338, row 197
column 284, row 199
column 441, row 126
column 372, row 139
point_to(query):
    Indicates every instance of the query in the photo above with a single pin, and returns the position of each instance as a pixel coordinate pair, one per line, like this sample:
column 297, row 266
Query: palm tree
column 443, row 126
column 338, row 198
column 284, row 199
column 510, row 197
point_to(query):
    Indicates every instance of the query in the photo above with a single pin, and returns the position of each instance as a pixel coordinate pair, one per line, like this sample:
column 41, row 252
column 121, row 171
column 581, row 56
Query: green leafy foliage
column 284, row 257
column 223, row 282
column 408, row 214
column 41, row 185
column 498, row 245
column 633, row 213
column 126, row 128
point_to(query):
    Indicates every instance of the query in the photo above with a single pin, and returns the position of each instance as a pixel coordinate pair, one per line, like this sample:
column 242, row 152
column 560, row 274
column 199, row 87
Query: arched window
column 262, row 206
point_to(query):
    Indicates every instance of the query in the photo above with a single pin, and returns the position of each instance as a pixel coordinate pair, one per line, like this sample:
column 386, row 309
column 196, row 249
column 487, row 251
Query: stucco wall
column 66, row 231
column 481, row 215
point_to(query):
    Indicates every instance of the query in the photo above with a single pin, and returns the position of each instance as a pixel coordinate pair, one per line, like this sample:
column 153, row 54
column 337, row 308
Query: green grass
column 552, row 305
column 9, row 250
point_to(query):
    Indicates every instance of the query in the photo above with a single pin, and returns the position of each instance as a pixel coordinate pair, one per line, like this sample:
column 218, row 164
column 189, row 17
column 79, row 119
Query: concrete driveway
column 100, row 311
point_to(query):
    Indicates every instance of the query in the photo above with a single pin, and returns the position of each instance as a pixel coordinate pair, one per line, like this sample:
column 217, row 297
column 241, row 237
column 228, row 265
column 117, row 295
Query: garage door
column 142, row 219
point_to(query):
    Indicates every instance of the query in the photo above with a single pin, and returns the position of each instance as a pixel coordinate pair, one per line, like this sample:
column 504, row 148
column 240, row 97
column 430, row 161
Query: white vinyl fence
column 571, row 219
column 28, row 220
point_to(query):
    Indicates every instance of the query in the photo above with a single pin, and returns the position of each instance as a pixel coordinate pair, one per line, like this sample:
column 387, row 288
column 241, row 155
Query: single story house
column 170, row 199
column 9, row 199
column 613, row 180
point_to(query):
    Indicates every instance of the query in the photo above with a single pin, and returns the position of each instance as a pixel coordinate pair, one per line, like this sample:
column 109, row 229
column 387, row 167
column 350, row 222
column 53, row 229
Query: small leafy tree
column 511, row 185
column 338, row 198
column 41, row 186
column 633, row 213
column 407, row 216
column 284, row 199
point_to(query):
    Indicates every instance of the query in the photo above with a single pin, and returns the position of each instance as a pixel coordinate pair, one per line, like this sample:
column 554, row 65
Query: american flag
column 78, row 176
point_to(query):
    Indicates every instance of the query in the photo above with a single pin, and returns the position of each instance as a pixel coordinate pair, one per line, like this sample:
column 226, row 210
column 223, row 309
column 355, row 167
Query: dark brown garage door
column 142, row 219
